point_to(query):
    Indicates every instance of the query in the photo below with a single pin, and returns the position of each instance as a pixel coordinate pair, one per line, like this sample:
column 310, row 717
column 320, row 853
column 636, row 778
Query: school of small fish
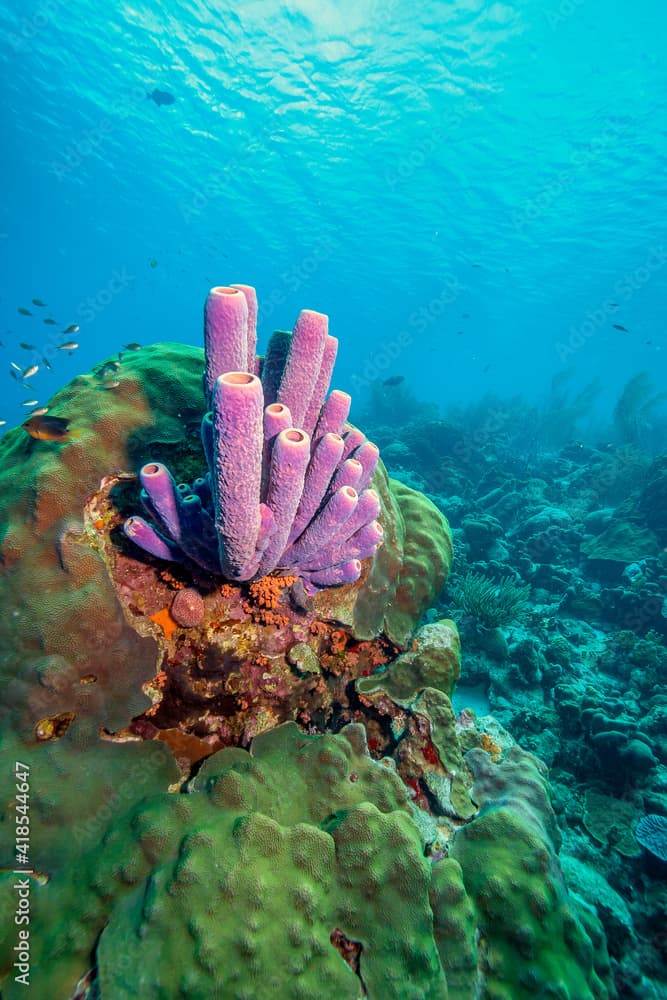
column 39, row 425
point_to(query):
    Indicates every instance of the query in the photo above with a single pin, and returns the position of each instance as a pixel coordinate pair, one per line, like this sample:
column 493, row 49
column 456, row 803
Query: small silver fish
column 30, row 371
column 39, row 412
column 17, row 368
column 71, row 345
column 2, row 423
column 113, row 384
column 72, row 328
column 47, row 364
column 30, row 402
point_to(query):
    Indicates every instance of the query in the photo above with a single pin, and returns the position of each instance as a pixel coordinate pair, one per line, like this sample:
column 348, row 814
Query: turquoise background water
column 397, row 166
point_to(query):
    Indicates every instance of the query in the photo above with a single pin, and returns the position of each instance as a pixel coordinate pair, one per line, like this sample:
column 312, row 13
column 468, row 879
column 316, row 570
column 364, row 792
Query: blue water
column 506, row 161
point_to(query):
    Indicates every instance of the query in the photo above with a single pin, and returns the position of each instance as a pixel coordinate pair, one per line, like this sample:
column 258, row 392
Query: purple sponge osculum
column 225, row 334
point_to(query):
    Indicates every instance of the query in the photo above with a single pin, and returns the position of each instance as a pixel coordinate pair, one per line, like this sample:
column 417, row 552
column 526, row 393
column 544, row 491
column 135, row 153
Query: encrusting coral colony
column 246, row 777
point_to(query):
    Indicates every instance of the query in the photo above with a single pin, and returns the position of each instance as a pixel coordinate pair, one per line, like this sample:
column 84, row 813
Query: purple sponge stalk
column 198, row 538
column 362, row 544
column 321, row 387
column 333, row 415
column 147, row 538
column 303, row 364
column 325, row 459
column 324, row 526
column 251, row 300
column 277, row 350
column 334, row 576
column 289, row 460
column 277, row 418
column 163, row 497
column 367, row 455
column 353, row 439
column 225, row 334
column 347, row 474
column 238, row 407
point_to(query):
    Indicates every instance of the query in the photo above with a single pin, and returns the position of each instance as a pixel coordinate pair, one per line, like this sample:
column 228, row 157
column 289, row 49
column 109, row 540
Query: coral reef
column 580, row 678
column 241, row 784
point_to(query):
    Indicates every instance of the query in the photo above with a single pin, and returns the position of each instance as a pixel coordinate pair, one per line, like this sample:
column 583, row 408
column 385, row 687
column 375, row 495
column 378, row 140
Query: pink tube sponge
column 289, row 460
column 225, row 333
column 251, row 344
column 162, row 496
column 238, row 407
column 303, row 364
column 321, row 387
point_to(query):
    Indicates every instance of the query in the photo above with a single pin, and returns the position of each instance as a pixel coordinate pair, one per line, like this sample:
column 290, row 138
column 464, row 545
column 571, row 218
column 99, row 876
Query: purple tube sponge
column 359, row 545
column 303, row 364
column 348, row 572
column 163, row 497
column 238, row 409
column 289, row 460
column 277, row 418
column 324, row 526
column 333, row 414
column 275, row 360
column 145, row 535
column 367, row 455
column 251, row 330
column 347, row 474
column 287, row 480
column 321, row 387
column 323, row 463
column 225, row 334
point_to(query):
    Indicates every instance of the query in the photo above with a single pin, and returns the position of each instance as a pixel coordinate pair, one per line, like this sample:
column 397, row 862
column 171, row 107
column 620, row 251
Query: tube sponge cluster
column 288, row 480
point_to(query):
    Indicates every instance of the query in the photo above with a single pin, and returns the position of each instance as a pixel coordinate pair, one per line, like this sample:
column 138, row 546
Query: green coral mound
column 278, row 865
column 536, row 941
column 433, row 661
column 296, row 871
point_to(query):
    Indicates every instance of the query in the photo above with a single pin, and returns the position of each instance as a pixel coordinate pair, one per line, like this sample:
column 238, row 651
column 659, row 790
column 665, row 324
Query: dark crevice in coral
column 350, row 951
